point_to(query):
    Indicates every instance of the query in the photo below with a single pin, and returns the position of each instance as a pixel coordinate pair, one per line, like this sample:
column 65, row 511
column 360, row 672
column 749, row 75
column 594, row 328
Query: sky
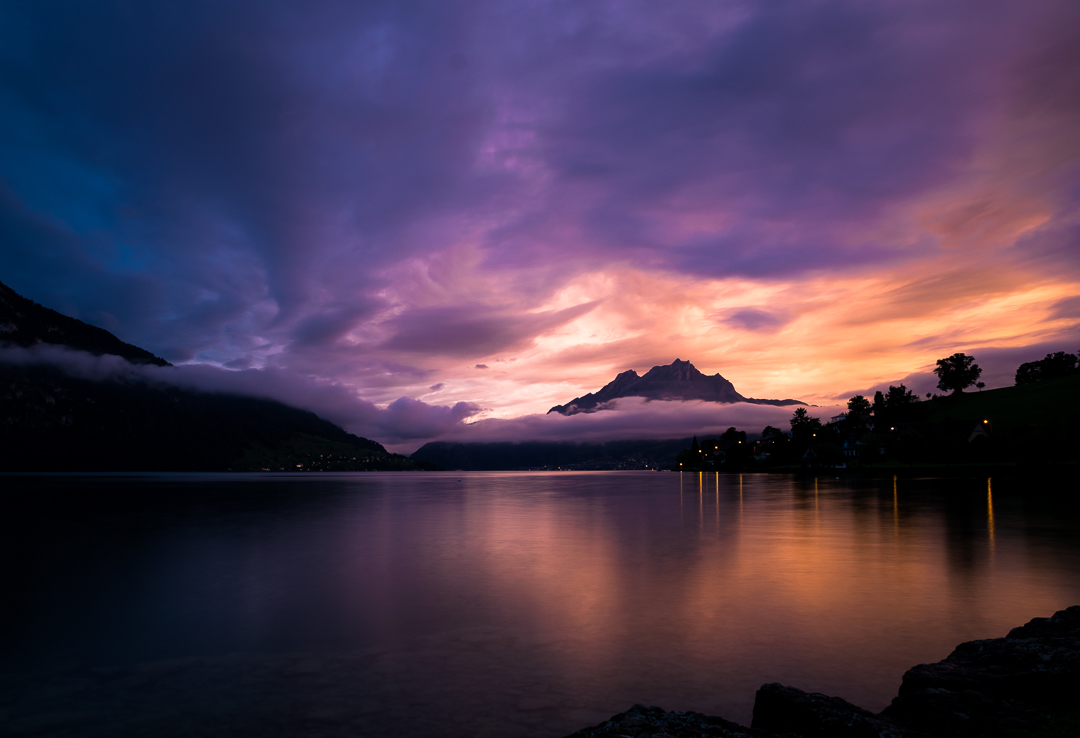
column 411, row 216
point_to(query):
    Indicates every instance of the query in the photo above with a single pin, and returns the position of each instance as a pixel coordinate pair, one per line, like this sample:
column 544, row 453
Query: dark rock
column 996, row 686
column 964, row 714
column 1037, row 663
column 1062, row 624
column 780, row 709
column 1025, row 684
column 641, row 721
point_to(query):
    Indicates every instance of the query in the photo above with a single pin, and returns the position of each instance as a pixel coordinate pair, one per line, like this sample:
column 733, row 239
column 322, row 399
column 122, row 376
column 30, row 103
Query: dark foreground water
column 491, row 604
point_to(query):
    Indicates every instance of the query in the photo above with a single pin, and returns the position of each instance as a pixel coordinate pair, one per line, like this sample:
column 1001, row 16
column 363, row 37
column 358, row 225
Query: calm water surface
column 484, row 604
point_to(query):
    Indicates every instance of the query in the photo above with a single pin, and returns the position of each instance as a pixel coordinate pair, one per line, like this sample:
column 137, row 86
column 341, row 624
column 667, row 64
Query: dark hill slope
column 1051, row 402
column 680, row 380
column 25, row 323
column 1030, row 428
column 54, row 422
column 51, row 421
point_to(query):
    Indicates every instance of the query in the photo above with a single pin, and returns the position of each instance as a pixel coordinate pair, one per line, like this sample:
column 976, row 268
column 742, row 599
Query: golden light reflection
column 990, row 511
column 895, row 509
column 572, row 571
column 701, row 499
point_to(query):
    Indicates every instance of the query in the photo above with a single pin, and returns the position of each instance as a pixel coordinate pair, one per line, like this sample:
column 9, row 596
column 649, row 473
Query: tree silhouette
column 771, row 433
column 900, row 397
column 802, row 425
column 1053, row 366
column 957, row 372
column 858, row 405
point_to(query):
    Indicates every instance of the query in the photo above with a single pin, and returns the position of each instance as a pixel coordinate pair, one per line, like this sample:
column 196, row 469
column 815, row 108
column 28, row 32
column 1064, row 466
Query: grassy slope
column 1011, row 408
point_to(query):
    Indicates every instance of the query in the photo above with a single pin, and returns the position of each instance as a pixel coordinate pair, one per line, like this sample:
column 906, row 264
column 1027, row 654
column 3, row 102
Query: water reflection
column 895, row 508
column 529, row 599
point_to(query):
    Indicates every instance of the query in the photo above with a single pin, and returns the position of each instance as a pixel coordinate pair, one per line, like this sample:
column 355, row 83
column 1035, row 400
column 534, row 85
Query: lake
column 496, row 604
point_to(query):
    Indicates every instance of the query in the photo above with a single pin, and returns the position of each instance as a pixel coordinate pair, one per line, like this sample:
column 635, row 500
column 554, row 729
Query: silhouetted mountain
column 678, row 381
column 51, row 421
column 25, row 323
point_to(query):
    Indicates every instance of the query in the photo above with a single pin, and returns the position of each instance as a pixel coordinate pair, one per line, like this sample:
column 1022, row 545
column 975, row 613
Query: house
column 981, row 430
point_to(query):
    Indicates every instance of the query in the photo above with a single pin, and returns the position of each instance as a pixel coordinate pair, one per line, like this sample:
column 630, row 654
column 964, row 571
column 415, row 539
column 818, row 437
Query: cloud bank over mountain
column 406, row 424
column 632, row 418
column 404, row 421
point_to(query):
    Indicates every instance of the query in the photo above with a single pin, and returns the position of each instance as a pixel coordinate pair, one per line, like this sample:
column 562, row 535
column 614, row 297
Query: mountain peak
column 679, row 380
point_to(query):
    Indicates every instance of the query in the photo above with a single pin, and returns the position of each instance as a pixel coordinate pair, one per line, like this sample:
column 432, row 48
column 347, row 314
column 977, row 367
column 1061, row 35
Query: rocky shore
column 1025, row 684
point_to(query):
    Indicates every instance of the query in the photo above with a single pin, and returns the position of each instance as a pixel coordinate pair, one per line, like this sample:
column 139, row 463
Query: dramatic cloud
column 381, row 197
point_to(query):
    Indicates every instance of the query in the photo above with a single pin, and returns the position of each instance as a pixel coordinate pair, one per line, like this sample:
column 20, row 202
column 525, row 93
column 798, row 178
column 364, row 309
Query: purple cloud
column 472, row 329
column 755, row 319
column 1067, row 308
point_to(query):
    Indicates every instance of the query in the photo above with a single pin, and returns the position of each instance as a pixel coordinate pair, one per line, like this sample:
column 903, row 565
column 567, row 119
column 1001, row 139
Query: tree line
column 892, row 424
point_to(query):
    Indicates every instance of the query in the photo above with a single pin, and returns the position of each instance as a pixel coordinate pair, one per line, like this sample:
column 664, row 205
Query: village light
column 985, row 421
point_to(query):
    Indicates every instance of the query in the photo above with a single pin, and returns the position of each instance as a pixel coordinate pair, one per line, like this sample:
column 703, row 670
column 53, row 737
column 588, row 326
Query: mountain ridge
column 679, row 380
column 25, row 323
